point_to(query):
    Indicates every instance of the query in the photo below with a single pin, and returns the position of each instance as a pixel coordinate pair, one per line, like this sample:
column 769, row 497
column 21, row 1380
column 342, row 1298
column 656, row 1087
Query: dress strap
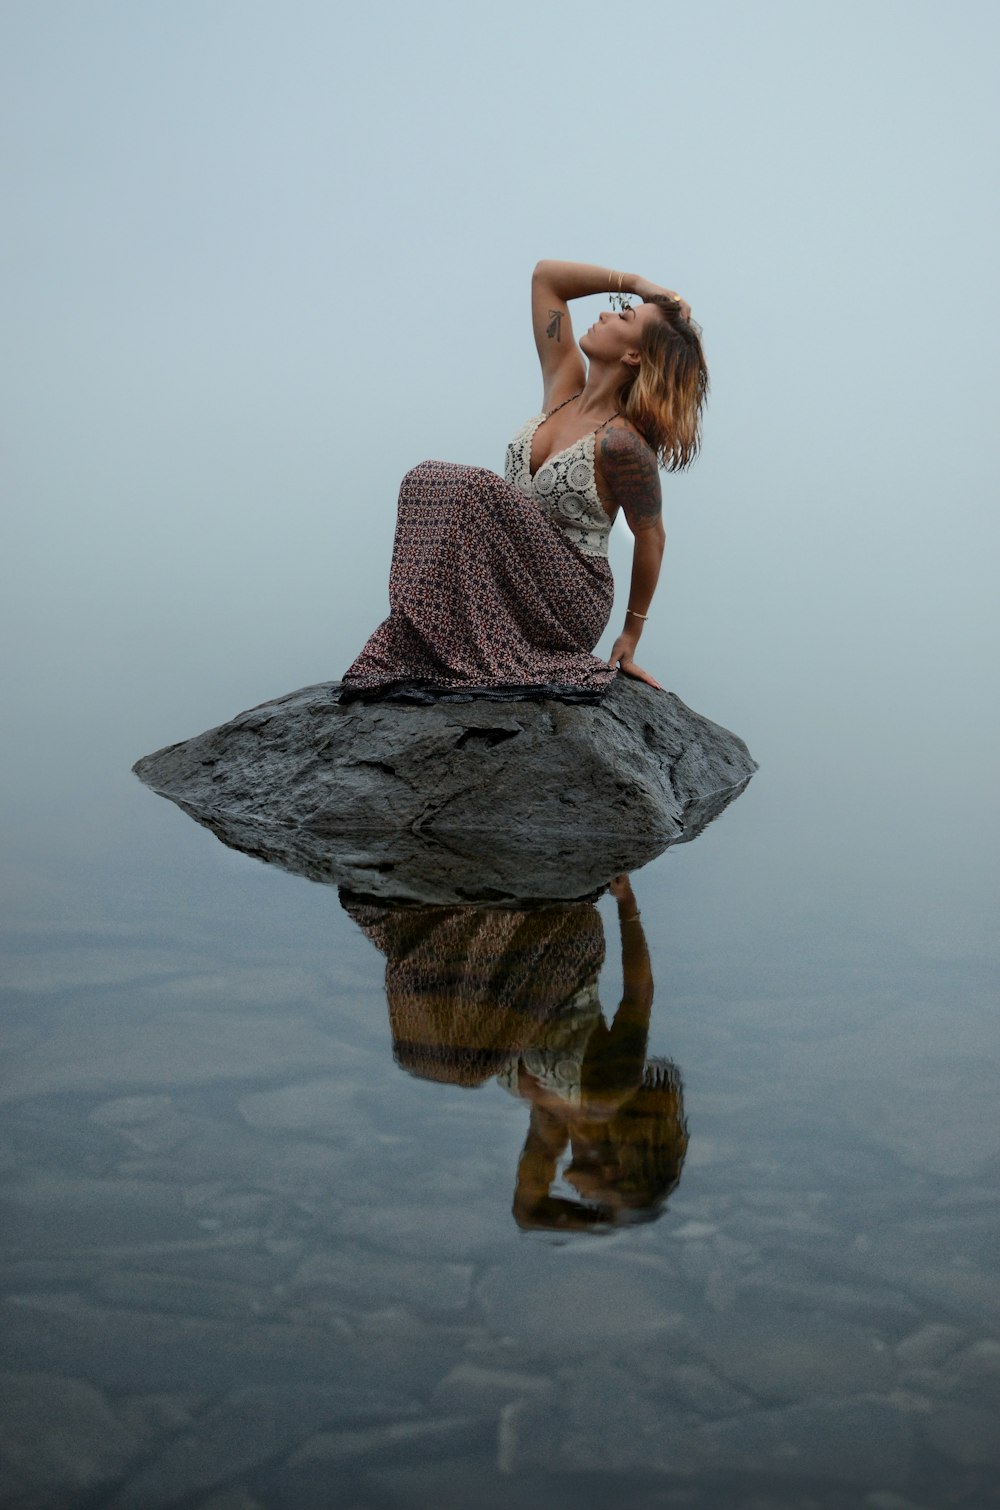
column 617, row 414
column 549, row 412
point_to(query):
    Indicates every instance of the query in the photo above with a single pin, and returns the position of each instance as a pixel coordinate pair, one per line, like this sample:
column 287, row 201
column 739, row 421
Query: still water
column 316, row 1202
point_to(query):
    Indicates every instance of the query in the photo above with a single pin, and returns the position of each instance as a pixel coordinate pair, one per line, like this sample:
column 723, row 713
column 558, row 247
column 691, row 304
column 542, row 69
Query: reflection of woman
column 500, row 583
column 593, row 1091
column 475, row 992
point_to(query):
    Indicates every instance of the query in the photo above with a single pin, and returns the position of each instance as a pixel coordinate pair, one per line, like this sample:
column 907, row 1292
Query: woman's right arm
column 553, row 284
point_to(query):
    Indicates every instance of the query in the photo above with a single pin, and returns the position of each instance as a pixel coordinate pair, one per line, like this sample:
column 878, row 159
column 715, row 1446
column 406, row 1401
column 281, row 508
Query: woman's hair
column 650, row 1135
column 644, row 1144
column 665, row 398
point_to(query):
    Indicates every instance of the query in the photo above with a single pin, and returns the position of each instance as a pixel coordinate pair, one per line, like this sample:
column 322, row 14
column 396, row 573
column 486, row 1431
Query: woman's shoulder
column 623, row 433
column 627, row 464
column 622, row 444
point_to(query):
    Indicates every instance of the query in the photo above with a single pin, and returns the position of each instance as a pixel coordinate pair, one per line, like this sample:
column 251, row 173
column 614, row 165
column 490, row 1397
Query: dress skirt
column 486, row 596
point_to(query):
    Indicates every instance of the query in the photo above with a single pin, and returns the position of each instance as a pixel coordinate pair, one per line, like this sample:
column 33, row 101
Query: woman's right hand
column 644, row 289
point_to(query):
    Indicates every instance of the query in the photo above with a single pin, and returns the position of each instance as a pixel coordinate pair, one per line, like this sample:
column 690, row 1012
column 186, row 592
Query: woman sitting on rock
column 501, row 586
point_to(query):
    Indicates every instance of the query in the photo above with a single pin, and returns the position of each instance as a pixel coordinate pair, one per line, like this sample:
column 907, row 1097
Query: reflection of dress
column 496, row 582
column 469, row 987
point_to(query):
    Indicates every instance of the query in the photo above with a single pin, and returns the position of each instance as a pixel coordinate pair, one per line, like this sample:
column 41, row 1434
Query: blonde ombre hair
column 665, row 398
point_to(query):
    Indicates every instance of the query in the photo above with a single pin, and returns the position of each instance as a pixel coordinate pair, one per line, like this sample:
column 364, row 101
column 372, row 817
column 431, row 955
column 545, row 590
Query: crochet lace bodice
column 564, row 487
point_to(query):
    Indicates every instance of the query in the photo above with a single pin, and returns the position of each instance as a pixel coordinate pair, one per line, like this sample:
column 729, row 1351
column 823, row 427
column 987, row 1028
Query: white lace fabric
column 556, row 1062
column 564, row 487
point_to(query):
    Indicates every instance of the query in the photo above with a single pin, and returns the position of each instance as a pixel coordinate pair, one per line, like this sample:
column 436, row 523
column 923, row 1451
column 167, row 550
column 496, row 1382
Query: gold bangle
column 621, row 280
column 637, row 615
column 611, row 278
column 633, row 919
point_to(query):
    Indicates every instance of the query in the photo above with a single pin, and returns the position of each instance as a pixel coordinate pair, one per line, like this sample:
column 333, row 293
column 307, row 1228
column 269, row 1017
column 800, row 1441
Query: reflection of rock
column 455, row 801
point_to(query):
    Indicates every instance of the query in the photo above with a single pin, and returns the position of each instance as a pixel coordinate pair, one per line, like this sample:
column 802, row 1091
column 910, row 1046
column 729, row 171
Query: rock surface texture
column 457, row 799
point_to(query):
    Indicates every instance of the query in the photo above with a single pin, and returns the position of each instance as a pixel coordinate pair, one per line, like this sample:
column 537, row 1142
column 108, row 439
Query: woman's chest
column 550, row 439
column 549, row 474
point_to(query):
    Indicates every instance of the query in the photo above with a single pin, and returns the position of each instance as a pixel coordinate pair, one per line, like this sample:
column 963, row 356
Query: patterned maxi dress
column 499, row 586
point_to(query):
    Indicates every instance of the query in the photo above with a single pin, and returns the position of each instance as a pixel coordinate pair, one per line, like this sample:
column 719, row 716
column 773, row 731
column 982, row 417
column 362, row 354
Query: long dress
column 499, row 586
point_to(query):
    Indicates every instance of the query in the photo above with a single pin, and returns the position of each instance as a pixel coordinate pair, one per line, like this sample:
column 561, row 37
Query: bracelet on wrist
column 636, row 615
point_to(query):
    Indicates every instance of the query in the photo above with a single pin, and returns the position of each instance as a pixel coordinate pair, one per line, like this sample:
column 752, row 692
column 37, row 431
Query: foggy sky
column 258, row 260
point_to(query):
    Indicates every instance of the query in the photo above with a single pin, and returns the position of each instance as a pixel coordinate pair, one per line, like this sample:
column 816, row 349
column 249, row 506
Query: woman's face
column 615, row 334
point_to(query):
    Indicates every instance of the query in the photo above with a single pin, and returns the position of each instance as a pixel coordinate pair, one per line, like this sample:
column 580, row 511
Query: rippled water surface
column 308, row 1203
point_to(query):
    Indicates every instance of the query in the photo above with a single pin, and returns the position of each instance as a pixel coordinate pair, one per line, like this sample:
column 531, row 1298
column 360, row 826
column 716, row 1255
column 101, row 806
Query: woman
column 502, row 586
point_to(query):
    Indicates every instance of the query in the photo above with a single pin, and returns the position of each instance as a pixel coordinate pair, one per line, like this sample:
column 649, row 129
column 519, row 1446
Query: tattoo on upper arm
column 630, row 470
column 554, row 325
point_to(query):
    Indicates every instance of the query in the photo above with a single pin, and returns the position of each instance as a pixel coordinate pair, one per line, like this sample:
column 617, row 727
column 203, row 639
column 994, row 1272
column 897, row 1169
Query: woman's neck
column 599, row 396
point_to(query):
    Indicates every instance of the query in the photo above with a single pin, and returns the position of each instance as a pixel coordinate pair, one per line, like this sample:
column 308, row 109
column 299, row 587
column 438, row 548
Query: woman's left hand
column 621, row 656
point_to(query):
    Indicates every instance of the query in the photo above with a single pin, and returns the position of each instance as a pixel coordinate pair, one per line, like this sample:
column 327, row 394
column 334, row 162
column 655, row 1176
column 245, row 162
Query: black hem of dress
column 425, row 692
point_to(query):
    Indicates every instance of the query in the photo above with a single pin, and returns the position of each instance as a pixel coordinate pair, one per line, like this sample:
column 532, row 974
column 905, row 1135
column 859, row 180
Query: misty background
column 257, row 261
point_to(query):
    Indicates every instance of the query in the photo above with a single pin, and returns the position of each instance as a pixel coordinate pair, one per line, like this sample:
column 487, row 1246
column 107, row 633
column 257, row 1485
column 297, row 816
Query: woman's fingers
column 646, row 289
column 631, row 669
column 621, row 656
column 685, row 306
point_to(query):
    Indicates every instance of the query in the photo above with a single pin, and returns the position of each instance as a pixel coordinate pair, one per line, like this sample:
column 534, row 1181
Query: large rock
column 457, row 801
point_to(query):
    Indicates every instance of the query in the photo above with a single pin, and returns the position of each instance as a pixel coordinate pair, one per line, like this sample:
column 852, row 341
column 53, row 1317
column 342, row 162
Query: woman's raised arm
column 553, row 284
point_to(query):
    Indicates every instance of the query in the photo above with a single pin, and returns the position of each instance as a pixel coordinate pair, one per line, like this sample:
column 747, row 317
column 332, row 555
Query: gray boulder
column 457, row 801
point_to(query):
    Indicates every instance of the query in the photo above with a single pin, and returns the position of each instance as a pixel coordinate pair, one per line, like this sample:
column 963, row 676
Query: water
column 251, row 1257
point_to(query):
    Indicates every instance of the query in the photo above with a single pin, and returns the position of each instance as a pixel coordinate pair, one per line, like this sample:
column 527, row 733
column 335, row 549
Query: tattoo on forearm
column 629, row 469
column 555, row 324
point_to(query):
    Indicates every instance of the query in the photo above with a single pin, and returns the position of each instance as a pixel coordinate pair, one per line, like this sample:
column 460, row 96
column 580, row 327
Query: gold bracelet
column 611, row 278
column 621, row 280
column 637, row 615
column 633, row 919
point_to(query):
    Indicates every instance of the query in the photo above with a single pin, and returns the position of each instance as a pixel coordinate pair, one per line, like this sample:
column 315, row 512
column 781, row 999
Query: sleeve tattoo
column 630, row 470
